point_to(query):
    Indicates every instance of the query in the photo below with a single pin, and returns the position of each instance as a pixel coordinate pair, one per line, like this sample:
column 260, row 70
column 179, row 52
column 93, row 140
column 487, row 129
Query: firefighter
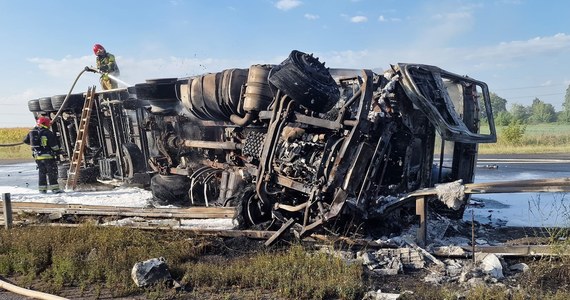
column 106, row 64
column 45, row 149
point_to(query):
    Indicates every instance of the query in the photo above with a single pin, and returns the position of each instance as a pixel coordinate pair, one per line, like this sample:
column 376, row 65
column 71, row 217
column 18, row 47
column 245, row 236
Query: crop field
column 539, row 138
column 10, row 136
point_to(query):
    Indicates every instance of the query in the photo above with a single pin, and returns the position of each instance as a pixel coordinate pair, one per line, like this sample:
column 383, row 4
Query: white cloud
column 64, row 67
column 381, row 18
column 311, row 17
column 358, row 19
column 287, row 4
column 514, row 50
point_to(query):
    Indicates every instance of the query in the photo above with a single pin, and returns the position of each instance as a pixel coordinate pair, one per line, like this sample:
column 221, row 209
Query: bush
column 514, row 133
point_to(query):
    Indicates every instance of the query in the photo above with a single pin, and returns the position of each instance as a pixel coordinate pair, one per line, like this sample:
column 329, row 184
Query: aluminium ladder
column 80, row 141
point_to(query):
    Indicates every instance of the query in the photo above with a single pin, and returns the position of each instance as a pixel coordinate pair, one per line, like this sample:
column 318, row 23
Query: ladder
column 80, row 141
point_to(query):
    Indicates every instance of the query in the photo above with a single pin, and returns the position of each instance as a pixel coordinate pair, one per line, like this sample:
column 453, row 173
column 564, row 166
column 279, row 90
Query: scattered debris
column 150, row 272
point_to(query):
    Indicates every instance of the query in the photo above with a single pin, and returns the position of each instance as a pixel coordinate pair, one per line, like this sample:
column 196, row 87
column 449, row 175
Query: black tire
column 133, row 160
column 250, row 211
column 303, row 78
column 34, row 105
column 75, row 102
column 45, row 104
column 170, row 189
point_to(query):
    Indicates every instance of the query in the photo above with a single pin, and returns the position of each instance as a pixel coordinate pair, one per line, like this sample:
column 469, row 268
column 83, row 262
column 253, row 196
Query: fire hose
column 28, row 293
column 88, row 69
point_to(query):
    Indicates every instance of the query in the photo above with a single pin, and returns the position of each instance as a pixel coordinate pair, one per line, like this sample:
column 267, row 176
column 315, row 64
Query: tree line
column 538, row 112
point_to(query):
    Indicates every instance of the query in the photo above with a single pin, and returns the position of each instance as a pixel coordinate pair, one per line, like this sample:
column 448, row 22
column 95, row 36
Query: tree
column 503, row 118
column 498, row 104
column 542, row 112
column 519, row 113
column 564, row 115
column 566, row 104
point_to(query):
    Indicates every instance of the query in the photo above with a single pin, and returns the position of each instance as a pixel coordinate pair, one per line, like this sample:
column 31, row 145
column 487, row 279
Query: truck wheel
column 250, row 210
column 34, row 105
column 45, row 104
column 170, row 189
column 307, row 81
column 133, row 160
column 75, row 102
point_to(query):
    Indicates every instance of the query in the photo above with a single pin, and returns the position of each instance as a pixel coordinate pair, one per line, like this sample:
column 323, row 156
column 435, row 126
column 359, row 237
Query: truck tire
column 45, row 104
column 133, row 160
column 170, row 189
column 75, row 102
column 34, row 105
column 306, row 80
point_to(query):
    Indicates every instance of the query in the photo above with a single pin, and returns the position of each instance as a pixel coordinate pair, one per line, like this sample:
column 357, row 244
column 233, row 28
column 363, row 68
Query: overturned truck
column 295, row 143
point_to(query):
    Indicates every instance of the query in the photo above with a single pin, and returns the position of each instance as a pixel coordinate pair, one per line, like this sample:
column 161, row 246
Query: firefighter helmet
column 44, row 121
column 97, row 48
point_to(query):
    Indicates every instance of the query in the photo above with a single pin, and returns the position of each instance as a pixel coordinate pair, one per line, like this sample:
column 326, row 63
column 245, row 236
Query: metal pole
column 7, row 204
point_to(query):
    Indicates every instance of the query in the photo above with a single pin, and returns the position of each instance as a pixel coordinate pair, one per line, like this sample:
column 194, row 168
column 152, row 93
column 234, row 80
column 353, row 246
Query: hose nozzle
column 91, row 69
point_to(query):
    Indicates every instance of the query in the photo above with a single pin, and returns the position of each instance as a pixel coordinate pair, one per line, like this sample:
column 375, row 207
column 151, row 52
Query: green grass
column 539, row 138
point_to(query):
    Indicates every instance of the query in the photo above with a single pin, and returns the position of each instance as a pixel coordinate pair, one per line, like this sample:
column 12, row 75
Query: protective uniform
column 45, row 149
column 106, row 64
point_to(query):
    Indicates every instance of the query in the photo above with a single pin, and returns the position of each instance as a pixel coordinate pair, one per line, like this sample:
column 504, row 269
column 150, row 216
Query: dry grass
column 14, row 136
column 53, row 259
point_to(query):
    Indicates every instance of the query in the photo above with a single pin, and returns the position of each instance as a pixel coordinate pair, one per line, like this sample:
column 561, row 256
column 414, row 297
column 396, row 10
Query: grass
column 539, row 138
column 52, row 259
column 95, row 260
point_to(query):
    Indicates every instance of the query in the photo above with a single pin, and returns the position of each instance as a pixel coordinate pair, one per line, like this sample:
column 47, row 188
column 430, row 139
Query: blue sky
column 520, row 48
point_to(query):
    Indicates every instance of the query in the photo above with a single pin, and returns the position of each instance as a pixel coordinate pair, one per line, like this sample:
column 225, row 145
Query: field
column 540, row 138
column 10, row 136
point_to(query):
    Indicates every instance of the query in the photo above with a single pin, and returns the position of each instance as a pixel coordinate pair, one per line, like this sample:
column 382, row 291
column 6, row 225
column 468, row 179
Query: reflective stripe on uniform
column 44, row 156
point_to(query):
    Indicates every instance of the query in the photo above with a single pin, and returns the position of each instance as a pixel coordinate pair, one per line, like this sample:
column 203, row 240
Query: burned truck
column 295, row 143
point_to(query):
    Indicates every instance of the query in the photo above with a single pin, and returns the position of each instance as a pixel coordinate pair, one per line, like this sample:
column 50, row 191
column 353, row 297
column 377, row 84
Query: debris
column 425, row 253
column 449, row 251
column 379, row 295
column 150, row 271
column 521, row 267
column 490, row 264
column 451, row 194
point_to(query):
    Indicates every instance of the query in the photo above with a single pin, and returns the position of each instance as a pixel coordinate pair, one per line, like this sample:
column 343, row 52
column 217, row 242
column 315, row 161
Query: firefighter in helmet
column 107, row 65
column 45, row 149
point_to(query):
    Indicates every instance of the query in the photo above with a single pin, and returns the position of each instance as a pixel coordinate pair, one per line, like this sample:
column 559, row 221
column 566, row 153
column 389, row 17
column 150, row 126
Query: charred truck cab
column 296, row 144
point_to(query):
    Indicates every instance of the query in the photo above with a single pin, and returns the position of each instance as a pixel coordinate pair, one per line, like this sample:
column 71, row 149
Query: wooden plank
column 75, row 209
column 520, row 250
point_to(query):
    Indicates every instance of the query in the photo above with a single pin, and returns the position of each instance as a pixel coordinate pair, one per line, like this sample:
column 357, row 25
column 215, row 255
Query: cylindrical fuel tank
column 216, row 96
column 258, row 94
